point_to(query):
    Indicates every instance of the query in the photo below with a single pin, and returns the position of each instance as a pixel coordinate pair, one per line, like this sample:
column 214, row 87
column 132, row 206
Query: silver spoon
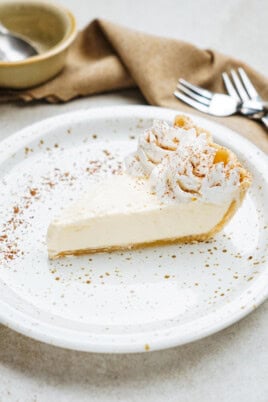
column 13, row 47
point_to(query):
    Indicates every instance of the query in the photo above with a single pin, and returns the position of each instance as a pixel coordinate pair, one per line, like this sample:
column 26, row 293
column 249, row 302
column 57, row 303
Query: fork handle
column 264, row 120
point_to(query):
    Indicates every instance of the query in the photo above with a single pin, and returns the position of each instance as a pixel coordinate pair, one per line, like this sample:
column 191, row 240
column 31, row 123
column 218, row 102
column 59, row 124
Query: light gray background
column 229, row 366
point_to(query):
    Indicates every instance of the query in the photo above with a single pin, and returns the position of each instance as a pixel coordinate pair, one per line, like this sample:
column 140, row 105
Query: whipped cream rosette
column 185, row 165
column 153, row 145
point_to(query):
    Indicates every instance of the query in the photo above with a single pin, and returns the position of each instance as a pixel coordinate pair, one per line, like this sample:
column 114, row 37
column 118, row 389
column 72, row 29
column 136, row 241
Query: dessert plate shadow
column 132, row 301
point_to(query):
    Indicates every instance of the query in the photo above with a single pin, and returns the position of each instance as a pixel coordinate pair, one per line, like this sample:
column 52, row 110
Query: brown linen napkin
column 108, row 57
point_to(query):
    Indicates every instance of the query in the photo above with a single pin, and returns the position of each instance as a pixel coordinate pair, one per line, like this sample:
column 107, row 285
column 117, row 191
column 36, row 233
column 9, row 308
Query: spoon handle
column 3, row 29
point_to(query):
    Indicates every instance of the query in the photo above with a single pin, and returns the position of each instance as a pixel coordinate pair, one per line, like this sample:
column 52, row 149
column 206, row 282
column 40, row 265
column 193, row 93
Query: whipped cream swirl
column 181, row 166
column 153, row 145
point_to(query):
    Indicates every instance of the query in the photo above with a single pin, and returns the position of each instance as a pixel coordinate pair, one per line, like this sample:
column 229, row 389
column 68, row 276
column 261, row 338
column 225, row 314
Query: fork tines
column 193, row 95
column 240, row 86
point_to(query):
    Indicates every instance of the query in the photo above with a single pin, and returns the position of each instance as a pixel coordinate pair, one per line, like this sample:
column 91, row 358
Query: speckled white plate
column 120, row 302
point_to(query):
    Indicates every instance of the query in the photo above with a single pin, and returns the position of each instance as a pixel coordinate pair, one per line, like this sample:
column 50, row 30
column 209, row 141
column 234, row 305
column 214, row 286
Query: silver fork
column 204, row 100
column 243, row 90
column 215, row 104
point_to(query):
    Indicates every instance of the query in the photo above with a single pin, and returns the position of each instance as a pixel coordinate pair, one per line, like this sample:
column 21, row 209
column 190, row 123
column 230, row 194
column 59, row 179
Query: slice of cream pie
column 179, row 186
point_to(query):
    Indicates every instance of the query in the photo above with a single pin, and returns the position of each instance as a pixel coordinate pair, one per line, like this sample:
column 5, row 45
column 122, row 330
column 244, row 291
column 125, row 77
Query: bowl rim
column 59, row 47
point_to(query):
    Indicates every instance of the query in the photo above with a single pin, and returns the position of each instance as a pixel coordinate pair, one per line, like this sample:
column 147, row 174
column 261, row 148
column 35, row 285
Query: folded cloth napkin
column 106, row 57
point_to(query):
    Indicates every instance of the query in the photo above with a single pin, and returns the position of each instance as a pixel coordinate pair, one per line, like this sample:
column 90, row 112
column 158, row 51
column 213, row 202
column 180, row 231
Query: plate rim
column 17, row 320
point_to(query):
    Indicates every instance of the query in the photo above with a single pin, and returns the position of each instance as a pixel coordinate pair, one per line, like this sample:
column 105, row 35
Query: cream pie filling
column 124, row 211
column 178, row 186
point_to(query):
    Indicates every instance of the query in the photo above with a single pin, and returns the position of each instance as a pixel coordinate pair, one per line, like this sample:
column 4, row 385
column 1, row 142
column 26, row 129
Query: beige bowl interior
column 44, row 24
